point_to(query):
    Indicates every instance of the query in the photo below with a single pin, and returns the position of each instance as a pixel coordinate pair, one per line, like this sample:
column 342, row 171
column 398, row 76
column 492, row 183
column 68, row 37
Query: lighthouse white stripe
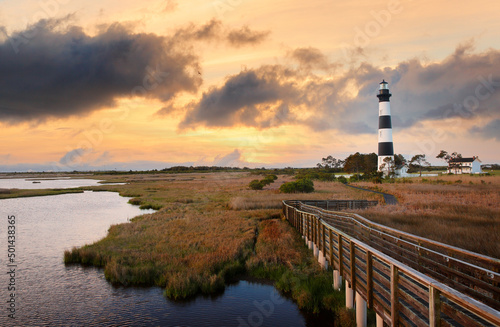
column 384, row 108
column 385, row 135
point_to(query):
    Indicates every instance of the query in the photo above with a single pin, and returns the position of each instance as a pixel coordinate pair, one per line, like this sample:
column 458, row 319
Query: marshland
column 211, row 229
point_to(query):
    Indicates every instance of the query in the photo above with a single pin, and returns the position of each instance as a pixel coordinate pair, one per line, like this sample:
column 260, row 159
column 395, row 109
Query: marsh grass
column 460, row 210
column 280, row 255
column 22, row 193
column 211, row 229
column 203, row 237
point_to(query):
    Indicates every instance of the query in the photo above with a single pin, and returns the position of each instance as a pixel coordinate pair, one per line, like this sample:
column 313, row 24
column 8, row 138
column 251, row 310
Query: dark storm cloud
column 55, row 70
column 463, row 85
column 235, row 102
column 62, row 71
column 246, row 36
column 489, row 131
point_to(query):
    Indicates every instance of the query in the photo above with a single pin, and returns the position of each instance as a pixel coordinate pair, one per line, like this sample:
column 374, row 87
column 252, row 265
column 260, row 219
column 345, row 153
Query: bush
column 271, row 177
column 304, row 185
column 342, row 179
column 354, row 178
column 256, row 185
column 259, row 185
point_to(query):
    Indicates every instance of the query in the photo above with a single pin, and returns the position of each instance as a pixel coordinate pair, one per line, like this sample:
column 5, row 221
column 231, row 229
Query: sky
column 142, row 85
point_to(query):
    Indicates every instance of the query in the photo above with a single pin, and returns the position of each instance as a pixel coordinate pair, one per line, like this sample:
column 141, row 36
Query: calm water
column 50, row 293
column 23, row 183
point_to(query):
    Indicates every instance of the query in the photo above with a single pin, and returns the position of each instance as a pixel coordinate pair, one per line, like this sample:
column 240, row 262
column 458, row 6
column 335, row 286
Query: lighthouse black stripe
column 384, row 122
column 385, row 149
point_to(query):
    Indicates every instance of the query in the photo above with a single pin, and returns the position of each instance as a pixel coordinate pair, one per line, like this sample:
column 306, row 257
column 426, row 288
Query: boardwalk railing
column 408, row 280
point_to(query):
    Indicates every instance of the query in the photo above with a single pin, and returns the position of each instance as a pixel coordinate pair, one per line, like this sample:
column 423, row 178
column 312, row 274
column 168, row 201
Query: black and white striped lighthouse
column 385, row 145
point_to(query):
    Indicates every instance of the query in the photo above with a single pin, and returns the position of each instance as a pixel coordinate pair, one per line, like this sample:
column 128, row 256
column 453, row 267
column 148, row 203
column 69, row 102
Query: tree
column 451, row 160
column 388, row 167
column 399, row 160
column 365, row 163
column 331, row 163
column 418, row 161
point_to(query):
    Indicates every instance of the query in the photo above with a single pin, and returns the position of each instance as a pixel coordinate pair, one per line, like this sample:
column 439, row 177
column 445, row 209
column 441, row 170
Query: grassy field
column 460, row 210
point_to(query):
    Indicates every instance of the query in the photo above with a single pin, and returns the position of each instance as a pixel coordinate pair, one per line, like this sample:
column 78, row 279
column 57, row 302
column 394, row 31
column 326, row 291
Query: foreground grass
column 459, row 210
column 281, row 256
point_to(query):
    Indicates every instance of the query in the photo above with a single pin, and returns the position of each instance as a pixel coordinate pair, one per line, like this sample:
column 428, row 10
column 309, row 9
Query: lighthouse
column 385, row 145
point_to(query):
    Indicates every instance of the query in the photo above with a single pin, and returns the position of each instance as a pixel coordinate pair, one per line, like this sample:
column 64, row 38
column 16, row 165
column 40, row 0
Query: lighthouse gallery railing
column 408, row 280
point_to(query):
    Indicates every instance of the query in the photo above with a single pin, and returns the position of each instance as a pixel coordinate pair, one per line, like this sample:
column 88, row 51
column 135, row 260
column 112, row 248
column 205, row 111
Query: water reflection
column 31, row 184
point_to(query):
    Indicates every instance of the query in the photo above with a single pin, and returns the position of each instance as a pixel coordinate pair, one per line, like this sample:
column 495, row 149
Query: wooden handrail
column 406, row 279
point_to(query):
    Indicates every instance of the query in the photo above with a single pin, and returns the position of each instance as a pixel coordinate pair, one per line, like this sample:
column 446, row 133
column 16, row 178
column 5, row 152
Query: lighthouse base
column 386, row 166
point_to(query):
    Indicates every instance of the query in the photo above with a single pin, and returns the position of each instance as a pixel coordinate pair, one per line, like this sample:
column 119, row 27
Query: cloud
column 72, row 156
column 463, row 85
column 232, row 159
column 209, row 31
column 214, row 30
column 311, row 58
column 237, row 100
column 62, row 71
column 488, row 131
column 246, row 36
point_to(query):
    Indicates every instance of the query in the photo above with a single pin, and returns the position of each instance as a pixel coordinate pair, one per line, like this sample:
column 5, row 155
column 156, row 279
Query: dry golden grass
column 271, row 198
column 462, row 210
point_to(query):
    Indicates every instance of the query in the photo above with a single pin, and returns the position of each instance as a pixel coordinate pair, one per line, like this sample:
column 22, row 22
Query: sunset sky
column 128, row 84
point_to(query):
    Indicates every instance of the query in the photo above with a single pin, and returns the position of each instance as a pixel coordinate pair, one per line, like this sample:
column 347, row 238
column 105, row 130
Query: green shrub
column 304, row 185
column 256, row 185
column 271, row 177
column 259, row 185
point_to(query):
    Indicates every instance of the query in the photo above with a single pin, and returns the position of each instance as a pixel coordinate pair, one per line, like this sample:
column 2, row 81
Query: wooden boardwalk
column 408, row 280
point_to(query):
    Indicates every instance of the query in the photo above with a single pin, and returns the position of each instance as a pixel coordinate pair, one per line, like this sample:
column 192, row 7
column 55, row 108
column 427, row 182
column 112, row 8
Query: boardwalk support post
column 360, row 311
column 349, row 296
column 322, row 260
column 337, row 280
